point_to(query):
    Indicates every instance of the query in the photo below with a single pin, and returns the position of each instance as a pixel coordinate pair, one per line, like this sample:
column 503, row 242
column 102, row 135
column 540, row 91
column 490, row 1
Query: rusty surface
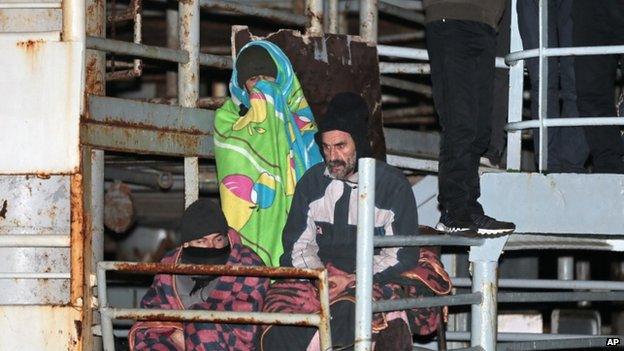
column 329, row 65
column 209, row 103
column 272, row 272
column 118, row 208
column 169, row 316
column 77, row 240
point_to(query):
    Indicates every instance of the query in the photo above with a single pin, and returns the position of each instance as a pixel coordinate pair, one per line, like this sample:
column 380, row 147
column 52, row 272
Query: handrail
column 320, row 319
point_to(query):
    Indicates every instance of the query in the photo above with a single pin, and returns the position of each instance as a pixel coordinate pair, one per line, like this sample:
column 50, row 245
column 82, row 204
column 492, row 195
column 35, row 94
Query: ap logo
column 613, row 341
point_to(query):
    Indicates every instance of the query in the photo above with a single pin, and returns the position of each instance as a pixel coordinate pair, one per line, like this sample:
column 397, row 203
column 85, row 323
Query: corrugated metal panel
column 31, row 205
column 40, row 118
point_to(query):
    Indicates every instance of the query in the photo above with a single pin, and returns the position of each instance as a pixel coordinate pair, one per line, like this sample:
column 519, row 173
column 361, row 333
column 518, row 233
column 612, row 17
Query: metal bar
column 426, row 165
column 146, row 141
column 30, row 5
column 542, row 108
column 256, row 11
column 399, row 12
column 364, row 255
column 93, row 164
column 145, row 115
column 216, row 61
column 74, row 24
column 325, row 316
column 407, row 68
column 172, row 30
column 34, row 240
column 108, row 339
column 483, row 316
column 140, row 50
column 369, row 13
column 416, row 111
column 188, row 86
column 401, row 37
column 250, row 271
column 332, row 26
column 547, row 284
column 518, row 55
column 564, row 344
column 422, row 302
column 565, row 268
column 563, row 296
column 213, row 316
column 406, row 85
column 516, row 82
column 426, row 240
column 314, row 12
column 152, row 178
column 464, row 336
column 567, row 122
column 473, row 348
column 418, row 54
column 34, row 275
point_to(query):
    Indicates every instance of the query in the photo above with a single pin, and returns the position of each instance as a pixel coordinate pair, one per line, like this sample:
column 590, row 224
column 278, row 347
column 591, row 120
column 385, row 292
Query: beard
column 340, row 169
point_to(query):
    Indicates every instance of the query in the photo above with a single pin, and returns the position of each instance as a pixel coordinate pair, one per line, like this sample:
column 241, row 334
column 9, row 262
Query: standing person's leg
column 452, row 64
column 595, row 81
column 571, row 146
column 483, row 83
column 498, row 137
column 528, row 23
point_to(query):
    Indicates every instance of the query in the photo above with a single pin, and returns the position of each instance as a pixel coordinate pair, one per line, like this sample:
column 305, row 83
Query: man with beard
column 207, row 240
column 321, row 233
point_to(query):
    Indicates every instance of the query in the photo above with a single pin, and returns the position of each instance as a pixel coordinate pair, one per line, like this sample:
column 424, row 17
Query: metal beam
column 256, row 11
column 422, row 302
column 145, row 115
column 146, row 141
column 139, row 50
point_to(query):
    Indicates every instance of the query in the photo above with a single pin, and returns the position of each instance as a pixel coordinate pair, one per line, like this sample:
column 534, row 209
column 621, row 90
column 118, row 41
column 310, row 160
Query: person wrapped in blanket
column 321, row 232
column 264, row 143
column 207, row 239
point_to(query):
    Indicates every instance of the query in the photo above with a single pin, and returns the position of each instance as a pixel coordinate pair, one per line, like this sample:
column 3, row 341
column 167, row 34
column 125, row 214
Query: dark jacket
column 322, row 223
column 484, row 11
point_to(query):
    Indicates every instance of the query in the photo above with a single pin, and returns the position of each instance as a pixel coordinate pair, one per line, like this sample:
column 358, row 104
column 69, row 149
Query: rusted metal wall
column 40, row 186
column 327, row 65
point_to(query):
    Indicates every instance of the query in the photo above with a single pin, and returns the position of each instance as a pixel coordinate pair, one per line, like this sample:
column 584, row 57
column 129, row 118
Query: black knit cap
column 203, row 217
column 254, row 61
column 348, row 112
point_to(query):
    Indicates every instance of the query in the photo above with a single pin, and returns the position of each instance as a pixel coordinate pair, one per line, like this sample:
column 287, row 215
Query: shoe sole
column 493, row 231
column 441, row 227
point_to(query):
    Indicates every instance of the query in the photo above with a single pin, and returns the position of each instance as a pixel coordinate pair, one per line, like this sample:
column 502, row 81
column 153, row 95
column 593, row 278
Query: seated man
column 321, row 232
column 207, row 239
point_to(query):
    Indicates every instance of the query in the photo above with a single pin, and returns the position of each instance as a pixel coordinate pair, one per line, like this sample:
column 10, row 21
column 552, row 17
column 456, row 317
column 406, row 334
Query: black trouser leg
column 599, row 23
column 462, row 72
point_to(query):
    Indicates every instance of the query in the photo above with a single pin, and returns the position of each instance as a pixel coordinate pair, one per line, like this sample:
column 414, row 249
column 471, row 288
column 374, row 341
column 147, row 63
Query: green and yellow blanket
column 264, row 143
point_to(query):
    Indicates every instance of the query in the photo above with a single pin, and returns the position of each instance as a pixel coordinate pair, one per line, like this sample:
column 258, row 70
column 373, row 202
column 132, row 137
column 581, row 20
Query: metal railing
column 516, row 76
column 484, row 298
column 108, row 313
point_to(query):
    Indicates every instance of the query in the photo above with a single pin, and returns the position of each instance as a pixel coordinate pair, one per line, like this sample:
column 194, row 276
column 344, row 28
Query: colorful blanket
column 264, row 143
column 391, row 330
column 243, row 294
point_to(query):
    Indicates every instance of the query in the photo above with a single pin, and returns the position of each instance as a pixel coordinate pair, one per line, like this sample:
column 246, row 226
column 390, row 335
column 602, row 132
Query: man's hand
column 339, row 283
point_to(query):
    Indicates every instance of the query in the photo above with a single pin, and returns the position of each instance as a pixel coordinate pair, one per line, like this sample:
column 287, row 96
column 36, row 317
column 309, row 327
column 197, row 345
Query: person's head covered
column 252, row 63
column 204, row 225
column 343, row 134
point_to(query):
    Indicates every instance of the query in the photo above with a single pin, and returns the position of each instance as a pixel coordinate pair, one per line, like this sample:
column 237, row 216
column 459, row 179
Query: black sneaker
column 449, row 224
column 487, row 225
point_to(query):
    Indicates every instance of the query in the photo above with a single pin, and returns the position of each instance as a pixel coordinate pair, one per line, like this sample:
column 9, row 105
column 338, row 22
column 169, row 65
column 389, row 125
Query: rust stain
column 78, row 326
column 31, row 46
column 77, row 237
column 242, row 320
column 3, row 211
column 274, row 272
